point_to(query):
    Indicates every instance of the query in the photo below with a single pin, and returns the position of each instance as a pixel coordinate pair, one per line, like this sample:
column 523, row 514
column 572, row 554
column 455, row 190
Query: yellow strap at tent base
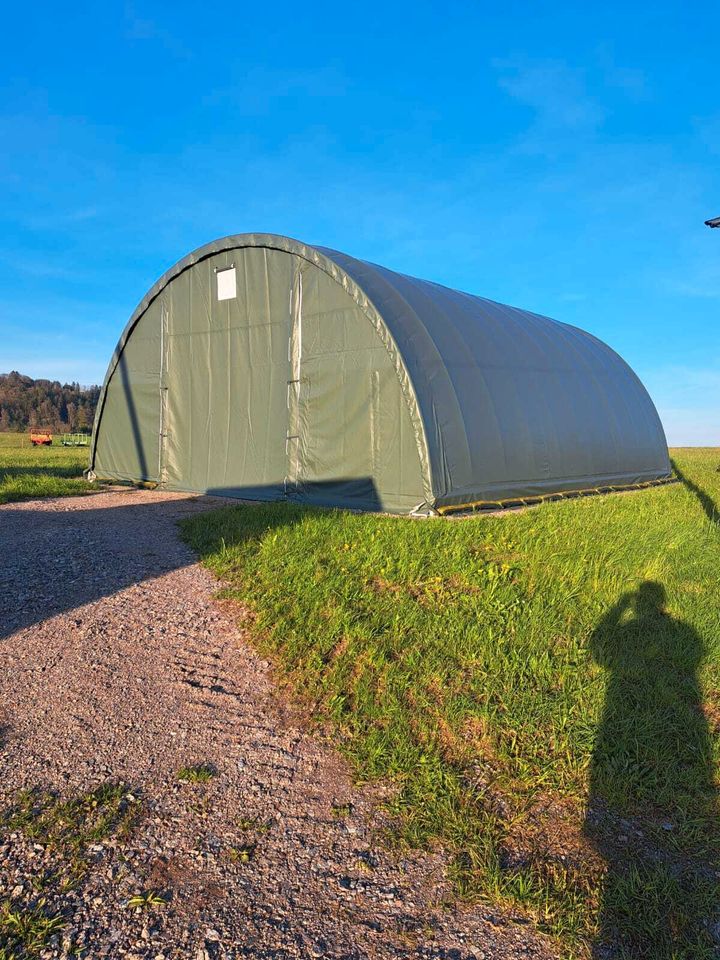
column 547, row 497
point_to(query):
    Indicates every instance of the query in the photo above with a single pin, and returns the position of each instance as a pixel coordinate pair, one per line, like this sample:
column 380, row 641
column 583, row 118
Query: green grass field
column 542, row 687
column 27, row 471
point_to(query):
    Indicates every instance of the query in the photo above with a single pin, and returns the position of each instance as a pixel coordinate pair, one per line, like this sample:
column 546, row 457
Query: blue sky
column 559, row 157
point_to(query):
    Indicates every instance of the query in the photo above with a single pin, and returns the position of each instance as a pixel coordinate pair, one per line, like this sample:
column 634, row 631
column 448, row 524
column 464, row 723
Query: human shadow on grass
column 652, row 776
column 706, row 501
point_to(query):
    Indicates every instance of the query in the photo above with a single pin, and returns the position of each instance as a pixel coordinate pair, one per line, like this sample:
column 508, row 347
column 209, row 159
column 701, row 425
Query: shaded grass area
column 27, row 472
column 542, row 687
column 61, row 832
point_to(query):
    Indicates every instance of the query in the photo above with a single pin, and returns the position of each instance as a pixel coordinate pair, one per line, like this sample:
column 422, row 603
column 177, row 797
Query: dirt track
column 117, row 665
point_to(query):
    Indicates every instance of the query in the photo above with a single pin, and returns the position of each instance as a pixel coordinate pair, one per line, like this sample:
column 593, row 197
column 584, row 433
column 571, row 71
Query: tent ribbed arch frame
column 334, row 270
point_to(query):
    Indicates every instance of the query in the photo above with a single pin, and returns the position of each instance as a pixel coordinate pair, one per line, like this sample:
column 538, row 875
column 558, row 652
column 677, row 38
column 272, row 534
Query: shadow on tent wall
column 358, row 493
column 354, row 493
column 133, row 414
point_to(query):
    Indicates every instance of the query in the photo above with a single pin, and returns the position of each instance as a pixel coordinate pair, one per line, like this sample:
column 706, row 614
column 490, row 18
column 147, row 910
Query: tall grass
column 27, row 472
column 542, row 688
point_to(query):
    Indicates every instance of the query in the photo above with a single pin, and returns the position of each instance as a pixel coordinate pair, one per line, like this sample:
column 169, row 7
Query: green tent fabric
column 263, row 368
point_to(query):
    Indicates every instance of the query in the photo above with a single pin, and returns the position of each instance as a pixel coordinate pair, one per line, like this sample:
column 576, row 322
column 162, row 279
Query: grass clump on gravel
column 50, row 837
column 543, row 688
column 26, row 932
column 70, row 825
column 243, row 853
column 27, row 472
column 147, row 900
column 201, row 773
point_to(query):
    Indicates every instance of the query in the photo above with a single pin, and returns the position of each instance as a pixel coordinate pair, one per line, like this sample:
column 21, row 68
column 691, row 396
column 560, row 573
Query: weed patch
column 201, row 773
column 60, row 833
column 147, row 900
column 26, row 932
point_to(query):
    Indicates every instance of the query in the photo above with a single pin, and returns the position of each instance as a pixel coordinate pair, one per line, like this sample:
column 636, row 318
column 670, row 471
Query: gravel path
column 117, row 665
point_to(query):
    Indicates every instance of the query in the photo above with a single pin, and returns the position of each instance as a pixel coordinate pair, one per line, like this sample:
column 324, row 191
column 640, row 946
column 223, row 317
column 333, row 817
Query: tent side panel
column 515, row 404
column 356, row 442
column 227, row 373
column 128, row 432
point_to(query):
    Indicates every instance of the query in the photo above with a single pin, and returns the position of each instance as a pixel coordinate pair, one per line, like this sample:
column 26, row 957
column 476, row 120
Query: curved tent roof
column 502, row 403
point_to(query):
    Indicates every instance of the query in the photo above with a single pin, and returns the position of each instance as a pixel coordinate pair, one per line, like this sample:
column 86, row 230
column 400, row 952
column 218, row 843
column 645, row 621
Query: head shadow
column 651, row 774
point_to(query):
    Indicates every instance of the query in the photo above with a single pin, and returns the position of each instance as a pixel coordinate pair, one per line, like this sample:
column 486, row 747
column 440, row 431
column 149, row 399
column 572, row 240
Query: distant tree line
column 26, row 403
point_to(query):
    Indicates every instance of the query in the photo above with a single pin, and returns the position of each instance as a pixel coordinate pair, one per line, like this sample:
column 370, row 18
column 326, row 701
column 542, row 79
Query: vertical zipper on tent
column 292, row 433
column 375, row 421
column 162, row 474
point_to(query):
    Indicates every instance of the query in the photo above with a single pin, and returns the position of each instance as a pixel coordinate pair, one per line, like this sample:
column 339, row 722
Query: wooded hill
column 25, row 403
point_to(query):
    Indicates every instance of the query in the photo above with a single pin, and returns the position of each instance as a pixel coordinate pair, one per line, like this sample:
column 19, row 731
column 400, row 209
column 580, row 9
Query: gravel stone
column 117, row 664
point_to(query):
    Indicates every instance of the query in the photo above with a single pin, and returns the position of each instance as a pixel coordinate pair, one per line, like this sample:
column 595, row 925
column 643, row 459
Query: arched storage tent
column 263, row 368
